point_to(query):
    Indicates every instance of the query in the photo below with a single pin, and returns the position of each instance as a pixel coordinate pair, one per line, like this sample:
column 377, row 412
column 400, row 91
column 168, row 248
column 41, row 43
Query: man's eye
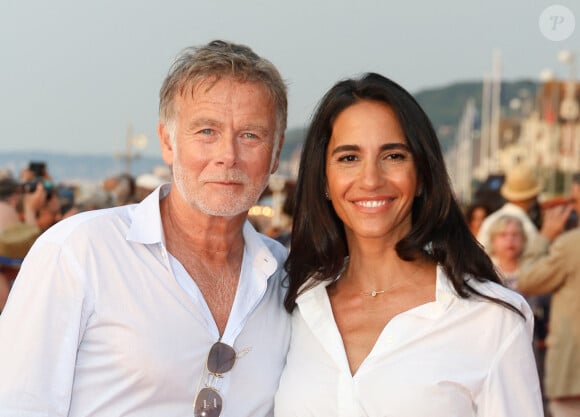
column 206, row 131
column 249, row 135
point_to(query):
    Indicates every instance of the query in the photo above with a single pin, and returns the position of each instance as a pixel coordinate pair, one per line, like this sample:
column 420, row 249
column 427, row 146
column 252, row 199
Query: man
column 551, row 265
column 520, row 190
column 172, row 307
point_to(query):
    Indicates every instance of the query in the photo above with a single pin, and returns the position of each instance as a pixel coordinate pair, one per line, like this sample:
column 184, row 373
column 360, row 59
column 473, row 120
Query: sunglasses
column 221, row 359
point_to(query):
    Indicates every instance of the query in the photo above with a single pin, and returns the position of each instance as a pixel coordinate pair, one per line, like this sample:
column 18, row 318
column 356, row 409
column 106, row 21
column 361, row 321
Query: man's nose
column 226, row 152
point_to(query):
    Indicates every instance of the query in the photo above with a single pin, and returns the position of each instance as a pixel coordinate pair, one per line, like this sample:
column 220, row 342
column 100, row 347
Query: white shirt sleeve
column 38, row 348
column 507, row 391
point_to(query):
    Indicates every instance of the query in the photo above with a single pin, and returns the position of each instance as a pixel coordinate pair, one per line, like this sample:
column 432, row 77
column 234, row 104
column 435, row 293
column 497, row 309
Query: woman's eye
column 396, row 156
column 347, row 158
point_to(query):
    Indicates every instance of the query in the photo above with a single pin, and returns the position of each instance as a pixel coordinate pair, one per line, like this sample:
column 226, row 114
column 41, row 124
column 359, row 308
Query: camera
column 30, row 187
column 40, row 176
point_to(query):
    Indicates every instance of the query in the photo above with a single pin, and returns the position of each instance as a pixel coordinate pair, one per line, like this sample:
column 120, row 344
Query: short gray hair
column 498, row 225
column 214, row 61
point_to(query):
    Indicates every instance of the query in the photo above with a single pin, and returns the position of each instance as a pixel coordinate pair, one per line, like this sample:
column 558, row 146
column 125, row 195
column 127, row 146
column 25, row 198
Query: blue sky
column 74, row 75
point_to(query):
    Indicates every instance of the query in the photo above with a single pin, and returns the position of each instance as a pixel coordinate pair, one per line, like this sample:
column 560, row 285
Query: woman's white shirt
column 452, row 357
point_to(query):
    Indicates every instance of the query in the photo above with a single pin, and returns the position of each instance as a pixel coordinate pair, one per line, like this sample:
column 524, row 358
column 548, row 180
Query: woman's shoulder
column 493, row 289
column 313, row 287
column 502, row 293
column 482, row 288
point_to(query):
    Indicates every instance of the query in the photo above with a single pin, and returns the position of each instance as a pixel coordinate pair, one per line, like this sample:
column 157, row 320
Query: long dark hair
column 319, row 247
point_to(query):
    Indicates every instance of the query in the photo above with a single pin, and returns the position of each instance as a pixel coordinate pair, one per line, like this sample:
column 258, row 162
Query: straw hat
column 520, row 184
column 15, row 241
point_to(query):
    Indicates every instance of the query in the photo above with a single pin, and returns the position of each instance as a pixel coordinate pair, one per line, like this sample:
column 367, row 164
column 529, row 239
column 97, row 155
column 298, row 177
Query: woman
column 396, row 309
column 508, row 241
column 507, row 244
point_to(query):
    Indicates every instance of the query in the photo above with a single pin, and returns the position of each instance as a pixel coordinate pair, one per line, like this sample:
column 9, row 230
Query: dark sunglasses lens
column 221, row 358
column 207, row 404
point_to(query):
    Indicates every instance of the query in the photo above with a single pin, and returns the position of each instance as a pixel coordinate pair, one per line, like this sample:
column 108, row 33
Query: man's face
column 221, row 146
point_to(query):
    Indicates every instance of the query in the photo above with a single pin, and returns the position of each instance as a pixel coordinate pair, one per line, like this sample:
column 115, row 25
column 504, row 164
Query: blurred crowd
column 533, row 243
column 31, row 202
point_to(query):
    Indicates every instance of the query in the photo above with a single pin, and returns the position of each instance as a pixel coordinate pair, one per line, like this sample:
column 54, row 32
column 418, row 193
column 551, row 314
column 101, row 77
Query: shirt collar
column 147, row 228
column 445, row 295
column 262, row 258
column 146, row 225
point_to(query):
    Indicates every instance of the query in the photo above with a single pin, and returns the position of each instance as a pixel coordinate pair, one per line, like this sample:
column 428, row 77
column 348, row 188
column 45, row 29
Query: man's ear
column 277, row 155
column 165, row 142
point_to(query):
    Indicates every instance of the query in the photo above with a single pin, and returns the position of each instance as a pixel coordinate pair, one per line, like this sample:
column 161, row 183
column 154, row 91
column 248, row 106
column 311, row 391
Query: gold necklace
column 373, row 293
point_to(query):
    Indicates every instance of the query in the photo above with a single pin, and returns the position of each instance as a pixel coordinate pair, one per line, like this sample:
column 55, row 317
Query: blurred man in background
column 551, row 265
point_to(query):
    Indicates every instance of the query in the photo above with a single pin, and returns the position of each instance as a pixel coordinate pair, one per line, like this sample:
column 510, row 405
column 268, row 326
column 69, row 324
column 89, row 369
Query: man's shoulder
column 255, row 239
column 93, row 222
column 279, row 251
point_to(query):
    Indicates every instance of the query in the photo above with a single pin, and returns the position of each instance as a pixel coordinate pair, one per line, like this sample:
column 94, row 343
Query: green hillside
column 444, row 105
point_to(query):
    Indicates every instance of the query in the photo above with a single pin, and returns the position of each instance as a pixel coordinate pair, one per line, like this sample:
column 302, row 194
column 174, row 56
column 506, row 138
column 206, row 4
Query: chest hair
column 218, row 283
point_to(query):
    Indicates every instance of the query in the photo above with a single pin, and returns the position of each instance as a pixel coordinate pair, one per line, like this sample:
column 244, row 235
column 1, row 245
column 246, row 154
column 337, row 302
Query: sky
column 75, row 75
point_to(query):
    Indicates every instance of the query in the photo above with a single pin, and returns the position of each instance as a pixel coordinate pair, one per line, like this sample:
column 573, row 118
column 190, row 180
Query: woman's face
column 509, row 242
column 371, row 174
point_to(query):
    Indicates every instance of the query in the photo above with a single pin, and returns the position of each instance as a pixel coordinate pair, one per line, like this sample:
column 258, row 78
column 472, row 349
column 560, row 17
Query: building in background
column 543, row 130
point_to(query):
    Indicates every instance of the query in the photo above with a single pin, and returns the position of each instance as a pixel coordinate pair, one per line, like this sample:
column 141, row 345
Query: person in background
column 507, row 243
column 15, row 241
column 17, row 206
column 173, row 306
column 16, row 228
column 121, row 188
column 50, row 213
column 551, row 265
column 520, row 190
column 396, row 309
column 475, row 213
column 37, row 180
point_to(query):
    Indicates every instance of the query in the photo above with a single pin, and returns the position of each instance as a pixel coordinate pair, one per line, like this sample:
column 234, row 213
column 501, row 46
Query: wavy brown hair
column 439, row 230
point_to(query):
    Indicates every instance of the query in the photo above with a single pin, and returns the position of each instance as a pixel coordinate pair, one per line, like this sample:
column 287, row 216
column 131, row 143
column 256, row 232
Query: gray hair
column 499, row 224
column 214, row 61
